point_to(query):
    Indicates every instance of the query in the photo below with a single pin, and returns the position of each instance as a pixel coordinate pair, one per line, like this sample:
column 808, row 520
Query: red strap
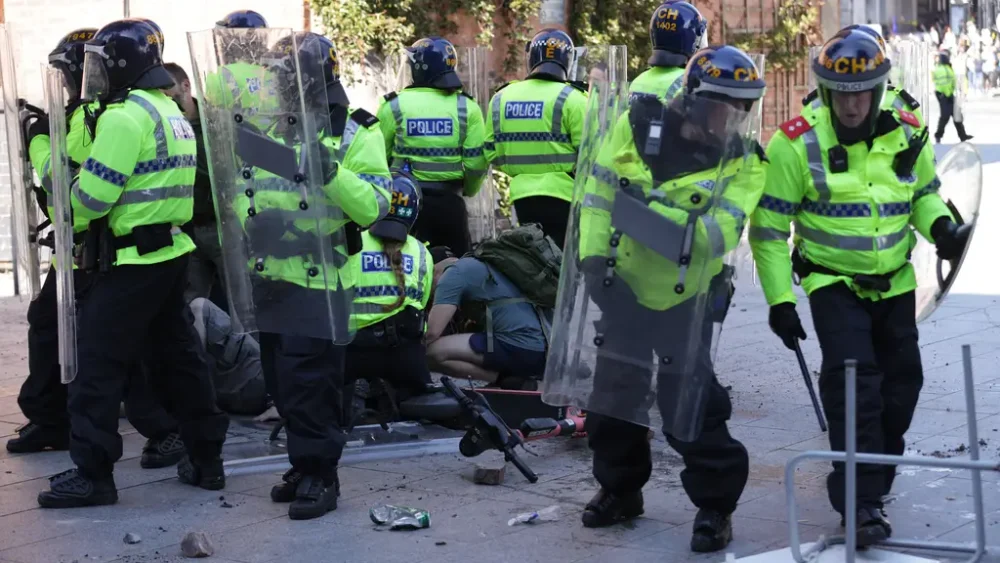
column 909, row 118
column 795, row 127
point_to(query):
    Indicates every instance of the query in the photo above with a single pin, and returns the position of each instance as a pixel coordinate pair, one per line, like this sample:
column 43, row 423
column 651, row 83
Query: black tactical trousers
column 43, row 396
column 947, row 107
column 444, row 221
column 882, row 337
column 551, row 213
column 402, row 364
column 126, row 312
column 716, row 465
column 310, row 376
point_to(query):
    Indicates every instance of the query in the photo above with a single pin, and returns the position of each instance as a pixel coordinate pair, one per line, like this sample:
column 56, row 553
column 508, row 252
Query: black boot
column 713, row 531
column 962, row 135
column 205, row 473
column 33, row 438
column 873, row 526
column 607, row 508
column 314, row 497
column 73, row 489
column 285, row 492
column 162, row 452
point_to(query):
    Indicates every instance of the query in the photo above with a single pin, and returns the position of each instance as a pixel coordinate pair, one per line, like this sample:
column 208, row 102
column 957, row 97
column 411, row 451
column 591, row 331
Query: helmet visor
column 96, row 84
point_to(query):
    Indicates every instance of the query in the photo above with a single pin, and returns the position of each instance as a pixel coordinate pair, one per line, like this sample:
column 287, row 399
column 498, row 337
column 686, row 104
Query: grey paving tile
column 7, row 430
column 533, row 545
column 770, row 466
column 14, row 417
column 928, row 421
column 987, row 402
column 8, row 406
column 750, row 535
column 813, row 506
column 770, row 439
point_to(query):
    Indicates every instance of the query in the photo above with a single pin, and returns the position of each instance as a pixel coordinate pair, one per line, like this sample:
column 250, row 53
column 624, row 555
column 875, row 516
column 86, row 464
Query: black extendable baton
column 809, row 386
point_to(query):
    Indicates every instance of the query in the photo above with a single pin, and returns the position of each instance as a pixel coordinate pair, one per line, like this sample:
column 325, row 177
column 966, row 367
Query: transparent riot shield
column 24, row 209
column 961, row 175
column 646, row 277
column 266, row 124
column 62, row 221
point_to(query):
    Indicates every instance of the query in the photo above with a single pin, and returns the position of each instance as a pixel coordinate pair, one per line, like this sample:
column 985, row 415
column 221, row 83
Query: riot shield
column 62, row 221
column 24, row 209
column 646, row 277
column 961, row 176
column 272, row 161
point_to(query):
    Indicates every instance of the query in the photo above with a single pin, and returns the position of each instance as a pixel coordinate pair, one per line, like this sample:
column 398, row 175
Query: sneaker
column 72, row 489
column 607, row 508
column 162, row 453
column 713, row 531
column 33, row 438
column 207, row 474
column 285, row 492
column 314, row 497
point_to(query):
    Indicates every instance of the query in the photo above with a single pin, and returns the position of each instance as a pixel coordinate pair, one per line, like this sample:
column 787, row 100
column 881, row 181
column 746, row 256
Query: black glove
column 785, row 323
column 328, row 164
column 38, row 127
column 950, row 238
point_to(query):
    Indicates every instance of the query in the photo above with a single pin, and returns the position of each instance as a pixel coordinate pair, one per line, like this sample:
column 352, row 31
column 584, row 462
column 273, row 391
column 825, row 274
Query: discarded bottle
column 549, row 514
column 400, row 517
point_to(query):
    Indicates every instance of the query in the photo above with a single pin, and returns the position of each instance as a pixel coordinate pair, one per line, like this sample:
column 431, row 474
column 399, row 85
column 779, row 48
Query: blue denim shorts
column 507, row 358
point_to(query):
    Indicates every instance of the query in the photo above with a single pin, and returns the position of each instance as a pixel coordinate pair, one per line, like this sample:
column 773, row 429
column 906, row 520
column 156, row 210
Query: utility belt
column 455, row 187
column 263, row 231
column 881, row 283
column 49, row 240
column 101, row 246
column 406, row 325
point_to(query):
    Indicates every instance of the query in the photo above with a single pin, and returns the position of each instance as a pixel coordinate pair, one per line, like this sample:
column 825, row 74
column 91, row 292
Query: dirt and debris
column 131, row 538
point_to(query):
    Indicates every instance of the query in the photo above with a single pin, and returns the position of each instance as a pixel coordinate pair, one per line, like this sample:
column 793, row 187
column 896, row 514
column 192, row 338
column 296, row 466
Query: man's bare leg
column 458, row 368
column 454, row 356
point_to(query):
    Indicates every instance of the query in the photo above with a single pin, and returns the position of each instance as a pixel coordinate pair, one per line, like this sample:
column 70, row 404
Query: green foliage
column 796, row 27
column 614, row 22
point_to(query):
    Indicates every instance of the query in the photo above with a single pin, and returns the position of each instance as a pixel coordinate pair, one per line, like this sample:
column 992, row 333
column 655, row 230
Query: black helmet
column 123, row 55
column 403, row 208
column 318, row 65
column 433, row 61
column 68, row 58
column 241, row 19
column 944, row 57
column 159, row 32
column 852, row 62
column 677, row 29
column 724, row 73
column 870, row 31
column 550, row 52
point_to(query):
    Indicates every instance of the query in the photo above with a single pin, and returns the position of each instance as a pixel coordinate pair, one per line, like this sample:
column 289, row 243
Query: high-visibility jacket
column 247, row 89
column 360, row 188
column 664, row 82
column 651, row 276
column 140, row 172
column 895, row 98
column 440, row 134
column 856, row 222
column 78, row 145
column 533, row 131
column 944, row 79
column 376, row 286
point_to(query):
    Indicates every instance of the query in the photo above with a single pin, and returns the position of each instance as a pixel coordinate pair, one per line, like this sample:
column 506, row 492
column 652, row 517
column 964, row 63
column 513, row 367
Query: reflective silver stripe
column 158, row 131
column 234, row 88
column 91, row 203
column 596, row 201
column 605, row 175
column 429, row 166
column 495, row 110
column 900, row 106
column 852, row 243
column 767, row 233
column 462, row 120
column 397, row 113
column 816, row 168
column 422, row 272
column 46, row 179
column 558, row 109
column 155, row 194
column 674, row 87
column 380, row 198
column 816, row 104
column 536, row 159
column 347, row 138
column 715, row 236
column 930, row 188
column 369, row 309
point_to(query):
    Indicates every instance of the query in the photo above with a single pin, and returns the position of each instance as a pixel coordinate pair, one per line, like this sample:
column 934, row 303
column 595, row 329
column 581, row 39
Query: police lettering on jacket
column 372, row 262
column 523, row 110
column 429, row 127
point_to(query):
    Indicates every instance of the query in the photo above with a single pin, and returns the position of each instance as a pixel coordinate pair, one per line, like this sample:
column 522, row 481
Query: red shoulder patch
column 909, row 118
column 795, row 127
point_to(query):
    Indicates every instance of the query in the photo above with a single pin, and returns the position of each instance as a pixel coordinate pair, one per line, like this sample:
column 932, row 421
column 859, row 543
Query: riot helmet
column 721, row 74
column 123, row 55
column 550, row 53
column 318, row 66
column 157, row 32
column 68, row 56
column 870, row 31
column 433, row 61
column 242, row 19
column 404, row 207
column 852, row 72
column 944, row 58
column 676, row 30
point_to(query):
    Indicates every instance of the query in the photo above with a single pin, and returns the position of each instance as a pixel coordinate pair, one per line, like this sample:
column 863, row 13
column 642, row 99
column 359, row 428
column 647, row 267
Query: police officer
column 393, row 285
column 640, row 288
column 435, row 130
column 242, row 19
column 846, row 174
column 533, row 132
column 135, row 191
column 677, row 29
column 43, row 396
column 245, row 83
column 944, row 89
column 310, row 370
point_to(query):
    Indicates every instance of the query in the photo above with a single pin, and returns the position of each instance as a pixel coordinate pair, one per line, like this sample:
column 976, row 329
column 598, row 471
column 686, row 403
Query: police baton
column 809, row 385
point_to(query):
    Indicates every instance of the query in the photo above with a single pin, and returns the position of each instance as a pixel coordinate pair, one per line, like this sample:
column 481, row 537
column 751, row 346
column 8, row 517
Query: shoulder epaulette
column 908, row 118
column 760, row 152
column 506, row 84
column 467, row 95
column 388, row 97
column 910, row 100
column 795, row 127
column 580, row 85
column 364, row 118
column 808, row 99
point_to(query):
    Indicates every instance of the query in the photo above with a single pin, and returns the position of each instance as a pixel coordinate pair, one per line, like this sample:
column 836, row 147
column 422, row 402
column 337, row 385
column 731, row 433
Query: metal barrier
column 851, row 458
